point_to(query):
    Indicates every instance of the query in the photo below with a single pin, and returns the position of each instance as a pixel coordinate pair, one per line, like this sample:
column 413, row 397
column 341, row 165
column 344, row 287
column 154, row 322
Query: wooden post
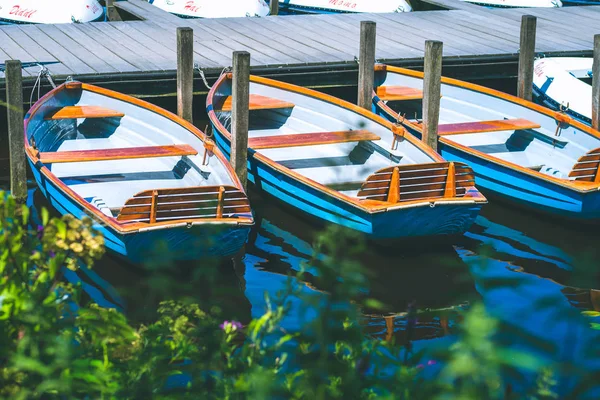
column 526, row 57
column 274, row 7
column 366, row 64
column 240, row 114
column 432, row 82
column 16, row 130
column 111, row 12
column 185, row 72
column 596, row 84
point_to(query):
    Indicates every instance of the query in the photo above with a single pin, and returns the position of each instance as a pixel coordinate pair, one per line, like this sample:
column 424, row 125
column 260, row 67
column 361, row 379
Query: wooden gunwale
column 578, row 186
column 364, row 205
column 126, row 228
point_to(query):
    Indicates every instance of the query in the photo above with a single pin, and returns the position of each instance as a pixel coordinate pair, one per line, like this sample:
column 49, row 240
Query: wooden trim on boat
column 128, row 228
column 74, row 112
column 258, row 102
column 365, row 205
column 461, row 128
column 310, row 139
column 578, row 186
column 124, row 153
column 398, row 93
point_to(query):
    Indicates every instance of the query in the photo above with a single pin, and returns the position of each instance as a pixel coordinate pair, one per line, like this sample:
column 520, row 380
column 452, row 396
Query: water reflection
column 531, row 273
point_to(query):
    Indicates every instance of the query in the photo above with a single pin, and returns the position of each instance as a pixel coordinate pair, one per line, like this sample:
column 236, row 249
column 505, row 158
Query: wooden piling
column 185, row 72
column 240, row 114
column 274, row 4
column 366, row 63
column 526, row 57
column 111, row 12
column 432, row 82
column 596, row 84
column 16, row 129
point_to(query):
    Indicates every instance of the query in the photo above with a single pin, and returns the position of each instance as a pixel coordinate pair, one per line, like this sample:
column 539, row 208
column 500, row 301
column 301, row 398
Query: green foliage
column 53, row 345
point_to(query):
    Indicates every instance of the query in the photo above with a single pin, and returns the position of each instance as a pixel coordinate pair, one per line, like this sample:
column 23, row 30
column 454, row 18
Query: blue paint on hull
column 520, row 188
column 443, row 219
column 178, row 243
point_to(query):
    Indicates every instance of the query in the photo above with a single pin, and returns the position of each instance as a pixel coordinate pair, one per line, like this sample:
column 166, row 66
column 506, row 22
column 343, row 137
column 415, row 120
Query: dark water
column 534, row 273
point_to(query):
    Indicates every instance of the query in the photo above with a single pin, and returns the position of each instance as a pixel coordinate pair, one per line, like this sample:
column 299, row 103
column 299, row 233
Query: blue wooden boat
column 148, row 179
column 519, row 150
column 344, row 165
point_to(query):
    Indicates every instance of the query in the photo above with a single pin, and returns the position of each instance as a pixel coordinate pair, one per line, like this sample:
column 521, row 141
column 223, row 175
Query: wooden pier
column 145, row 49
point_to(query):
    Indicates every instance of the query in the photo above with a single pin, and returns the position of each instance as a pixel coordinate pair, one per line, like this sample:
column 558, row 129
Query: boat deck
column 134, row 48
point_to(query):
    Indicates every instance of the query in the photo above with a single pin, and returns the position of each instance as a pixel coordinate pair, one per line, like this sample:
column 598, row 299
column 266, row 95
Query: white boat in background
column 517, row 3
column 49, row 12
column 213, row 9
column 343, row 6
column 557, row 83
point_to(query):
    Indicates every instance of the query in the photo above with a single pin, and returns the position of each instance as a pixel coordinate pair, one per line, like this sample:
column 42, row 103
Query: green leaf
column 45, row 216
column 591, row 313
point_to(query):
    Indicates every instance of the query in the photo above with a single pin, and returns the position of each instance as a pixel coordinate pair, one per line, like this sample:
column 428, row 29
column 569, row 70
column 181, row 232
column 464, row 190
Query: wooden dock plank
column 78, row 34
column 65, row 56
column 296, row 48
column 166, row 53
column 435, row 32
column 112, row 48
column 143, row 58
column 76, row 49
column 546, row 29
column 405, row 47
column 348, row 39
column 334, row 49
column 416, row 37
column 12, row 49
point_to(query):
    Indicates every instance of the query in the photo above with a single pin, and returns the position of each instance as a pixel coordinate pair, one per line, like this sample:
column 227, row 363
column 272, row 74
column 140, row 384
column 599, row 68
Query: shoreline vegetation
column 57, row 344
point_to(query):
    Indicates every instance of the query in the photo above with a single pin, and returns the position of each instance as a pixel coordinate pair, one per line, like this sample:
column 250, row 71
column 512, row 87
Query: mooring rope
column 37, row 84
column 203, row 76
column 43, row 73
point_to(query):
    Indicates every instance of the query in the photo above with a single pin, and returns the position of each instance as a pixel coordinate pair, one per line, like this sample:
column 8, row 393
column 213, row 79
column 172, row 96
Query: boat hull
column 65, row 12
column 425, row 219
column 520, row 188
column 182, row 242
column 339, row 6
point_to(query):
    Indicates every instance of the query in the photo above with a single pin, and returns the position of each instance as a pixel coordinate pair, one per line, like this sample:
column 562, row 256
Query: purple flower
column 52, row 254
column 234, row 324
column 40, row 231
column 431, row 362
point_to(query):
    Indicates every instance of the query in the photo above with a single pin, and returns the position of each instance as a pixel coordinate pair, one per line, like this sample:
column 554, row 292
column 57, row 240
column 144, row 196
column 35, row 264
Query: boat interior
column 500, row 128
column 109, row 152
column 330, row 144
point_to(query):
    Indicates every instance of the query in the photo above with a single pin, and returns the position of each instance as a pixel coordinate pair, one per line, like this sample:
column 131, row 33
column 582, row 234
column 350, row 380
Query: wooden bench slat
column 310, row 139
column 117, row 154
column 398, row 93
column 258, row 102
column 426, row 181
column 72, row 112
column 184, row 203
column 486, row 126
column 587, row 167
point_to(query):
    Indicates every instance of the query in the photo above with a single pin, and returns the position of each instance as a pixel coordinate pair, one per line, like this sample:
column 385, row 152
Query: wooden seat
column 587, row 167
column 310, row 139
column 117, row 154
column 258, row 102
column 72, row 112
column 158, row 205
column 461, row 128
column 418, row 182
column 398, row 93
